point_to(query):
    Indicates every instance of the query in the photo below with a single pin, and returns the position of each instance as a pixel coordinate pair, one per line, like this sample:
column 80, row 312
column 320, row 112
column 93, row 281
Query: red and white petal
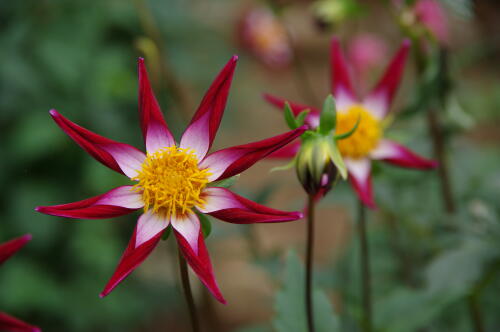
column 312, row 118
column 231, row 161
column 154, row 128
column 9, row 248
column 120, row 157
column 200, row 263
column 12, row 324
column 380, row 98
column 397, row 154
column 202, row 129
column 342, row 87
column 188, row 226
column 131, row 259
column 116, row 202
column 225, row 205
column 360, row 177
column 287, row 152
column 148, row 225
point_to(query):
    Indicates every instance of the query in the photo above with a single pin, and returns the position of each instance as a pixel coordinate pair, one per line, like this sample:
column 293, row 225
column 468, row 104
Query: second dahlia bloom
column 367, row 143
column 7, row 322
column 173, row 182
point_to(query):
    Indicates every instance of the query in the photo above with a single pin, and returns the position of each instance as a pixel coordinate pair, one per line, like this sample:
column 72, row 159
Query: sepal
column 328, row 117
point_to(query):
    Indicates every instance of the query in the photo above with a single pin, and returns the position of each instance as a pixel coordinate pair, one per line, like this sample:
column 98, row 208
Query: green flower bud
column 315, row 168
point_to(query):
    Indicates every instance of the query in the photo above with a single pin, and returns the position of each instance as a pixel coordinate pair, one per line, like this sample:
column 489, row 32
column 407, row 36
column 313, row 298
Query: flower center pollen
column 171, row 182
column 366, row 136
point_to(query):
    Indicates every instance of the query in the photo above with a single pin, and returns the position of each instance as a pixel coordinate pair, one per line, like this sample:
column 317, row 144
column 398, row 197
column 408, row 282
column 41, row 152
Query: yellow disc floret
column 171, row 182
column 366, row 136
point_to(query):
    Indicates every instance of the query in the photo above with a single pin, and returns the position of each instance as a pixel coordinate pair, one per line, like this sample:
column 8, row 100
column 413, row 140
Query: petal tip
column 406, row 43
column 53, row 112
column 140, row 60
column 27, row 237
column 235, row 57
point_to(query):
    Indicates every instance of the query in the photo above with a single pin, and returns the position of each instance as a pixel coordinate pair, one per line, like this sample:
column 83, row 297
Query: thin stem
column 365, row 269
column 309, row 263
column 177, row 90
column 187, row 293
column 475, row 312
column 301, row 77
column 438, row 143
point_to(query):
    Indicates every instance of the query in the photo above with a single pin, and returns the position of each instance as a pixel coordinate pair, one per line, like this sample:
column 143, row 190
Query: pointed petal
column 116, row 202
column 148, row 225
column 200, row 263
column 120, row 157
column 342, row 88
column 287, row 152
column 9, row 248
column 154, row 128
column 379, row 100
column 228, row 162
column 360, row 177
column 131, row 259
column 202, row 129
column 223, row 204
column 189, row 227
column 397, row 154
column 12, row 324
column 312, row 118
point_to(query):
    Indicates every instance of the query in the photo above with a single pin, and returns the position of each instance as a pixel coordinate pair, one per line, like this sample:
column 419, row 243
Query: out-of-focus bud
column 366, row 52
column 432, row 16
column 315, row 169
column 265, row 37
column 425, row 18
column 331, row 12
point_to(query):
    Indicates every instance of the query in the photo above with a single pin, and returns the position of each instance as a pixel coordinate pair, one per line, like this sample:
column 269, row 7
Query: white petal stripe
column 148, row 225
column 123, row 196
column 189, row 227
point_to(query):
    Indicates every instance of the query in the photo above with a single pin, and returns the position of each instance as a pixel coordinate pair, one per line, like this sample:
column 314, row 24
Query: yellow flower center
column 171, row 182
column 366, row 136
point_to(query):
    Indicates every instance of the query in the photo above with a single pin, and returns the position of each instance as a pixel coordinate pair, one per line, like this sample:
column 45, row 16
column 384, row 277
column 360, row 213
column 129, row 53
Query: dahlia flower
column 173, row 182
column 367, row 143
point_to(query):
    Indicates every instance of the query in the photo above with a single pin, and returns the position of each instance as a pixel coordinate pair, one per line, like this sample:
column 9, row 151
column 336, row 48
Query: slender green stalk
column 309, row 263
column 188, row 294
column 475, row 312
column 365, row 269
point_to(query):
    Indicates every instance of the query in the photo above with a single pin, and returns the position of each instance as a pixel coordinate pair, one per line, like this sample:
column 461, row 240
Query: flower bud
column 315, row 169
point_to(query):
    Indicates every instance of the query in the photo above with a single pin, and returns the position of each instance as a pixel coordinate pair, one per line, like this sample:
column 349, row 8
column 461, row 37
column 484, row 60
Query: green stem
column 365, row 269
column 309, row 263
column 188, row 293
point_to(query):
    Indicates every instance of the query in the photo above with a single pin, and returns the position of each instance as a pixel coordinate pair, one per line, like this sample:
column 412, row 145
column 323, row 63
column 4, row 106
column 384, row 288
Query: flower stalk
column 365, row 269
column 309, row 263
column 188, row 294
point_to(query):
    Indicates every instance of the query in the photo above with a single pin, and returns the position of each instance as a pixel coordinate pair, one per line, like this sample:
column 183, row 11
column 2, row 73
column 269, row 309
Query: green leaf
column 289, row 117
column 350, row 132
column 226, row 183
column 289, row 303
column 337, row 159
column 302, row 117
column 328, row 117
column 206, row 225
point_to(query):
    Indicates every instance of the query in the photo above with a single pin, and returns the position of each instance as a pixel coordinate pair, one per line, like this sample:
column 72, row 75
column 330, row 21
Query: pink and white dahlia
column 367, row 143
column 173, row 182
column 7, row 322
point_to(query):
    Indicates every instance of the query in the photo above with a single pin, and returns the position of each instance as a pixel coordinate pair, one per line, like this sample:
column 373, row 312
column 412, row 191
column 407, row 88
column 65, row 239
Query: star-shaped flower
column 367, row 143
column 173, row 182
